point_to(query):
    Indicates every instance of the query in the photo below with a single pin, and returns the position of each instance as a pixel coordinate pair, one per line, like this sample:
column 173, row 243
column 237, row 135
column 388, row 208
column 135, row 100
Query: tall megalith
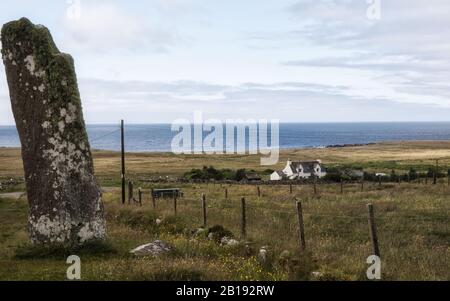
column 64, row 198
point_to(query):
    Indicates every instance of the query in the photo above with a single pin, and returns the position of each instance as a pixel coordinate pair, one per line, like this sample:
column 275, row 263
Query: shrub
column 218, row 232
column 240, row 174
column 207, row 173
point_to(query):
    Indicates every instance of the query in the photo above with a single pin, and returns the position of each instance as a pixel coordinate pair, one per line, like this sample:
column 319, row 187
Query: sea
column 158, row 137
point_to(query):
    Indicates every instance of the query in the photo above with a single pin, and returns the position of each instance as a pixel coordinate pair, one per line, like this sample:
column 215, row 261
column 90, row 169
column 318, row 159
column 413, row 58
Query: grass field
column 413, row 222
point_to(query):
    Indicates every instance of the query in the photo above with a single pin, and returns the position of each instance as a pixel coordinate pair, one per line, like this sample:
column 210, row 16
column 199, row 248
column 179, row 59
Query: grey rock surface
column 64, row 198
column 153, row 249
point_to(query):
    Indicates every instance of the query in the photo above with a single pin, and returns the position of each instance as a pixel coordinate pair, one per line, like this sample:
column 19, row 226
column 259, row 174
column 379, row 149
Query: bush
column 240, row 174
column 268, row 171
column 208, row 173
column 333, row 177
column 218, row 232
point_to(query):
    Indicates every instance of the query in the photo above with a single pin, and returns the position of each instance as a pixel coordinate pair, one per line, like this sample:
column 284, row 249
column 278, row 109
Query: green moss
column 37, row 36
column 23, row 38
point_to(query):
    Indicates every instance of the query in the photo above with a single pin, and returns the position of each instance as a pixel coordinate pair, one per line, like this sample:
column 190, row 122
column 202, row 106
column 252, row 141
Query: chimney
column 289, row 162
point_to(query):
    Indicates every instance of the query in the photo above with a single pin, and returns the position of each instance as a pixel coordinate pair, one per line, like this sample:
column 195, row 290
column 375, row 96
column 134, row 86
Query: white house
column 300, row 170
column 277, row 176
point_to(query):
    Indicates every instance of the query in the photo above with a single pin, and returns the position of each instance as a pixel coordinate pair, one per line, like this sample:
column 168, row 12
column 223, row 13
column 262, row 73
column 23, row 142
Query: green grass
column 413, row 222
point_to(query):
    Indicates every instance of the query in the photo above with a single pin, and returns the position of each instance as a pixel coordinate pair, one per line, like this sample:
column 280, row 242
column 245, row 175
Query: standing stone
column 65, row 200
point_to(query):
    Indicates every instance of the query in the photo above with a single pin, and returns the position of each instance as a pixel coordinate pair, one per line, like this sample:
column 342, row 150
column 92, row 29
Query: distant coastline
column 158, row 137
column 350, row 145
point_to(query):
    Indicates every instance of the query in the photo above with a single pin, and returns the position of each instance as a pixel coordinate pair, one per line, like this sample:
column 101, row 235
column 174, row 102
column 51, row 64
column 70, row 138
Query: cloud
column 314, row 56
column 107, row 101
column 408, row 49
column 404, row 25
column 144, row 102
column 106, row 27
column 390, row 63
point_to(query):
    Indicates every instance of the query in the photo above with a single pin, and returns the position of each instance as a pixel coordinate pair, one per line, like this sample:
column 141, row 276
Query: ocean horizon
column 158, row 137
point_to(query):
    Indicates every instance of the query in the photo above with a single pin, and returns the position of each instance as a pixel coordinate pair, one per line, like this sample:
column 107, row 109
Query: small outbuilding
column 251, row 177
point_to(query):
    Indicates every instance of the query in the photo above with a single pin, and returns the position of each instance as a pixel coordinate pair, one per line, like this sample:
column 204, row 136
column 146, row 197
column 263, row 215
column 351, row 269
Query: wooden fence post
column 122, row 148
column 435, row 173
column 130, row 191
column 259, row 191
column 379, row 181
column 290, row 188
column 373, row 231
column 342, row 186
column 204, row 209
column 140, row 196
column 243, row 219
column 152, row 196
column 226, row 193
column 301, row 226
column 315, row 185
column 362, row 185
column 175, row 204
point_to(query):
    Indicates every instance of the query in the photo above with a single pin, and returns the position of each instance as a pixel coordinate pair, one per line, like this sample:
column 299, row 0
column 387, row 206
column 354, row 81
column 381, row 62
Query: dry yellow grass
column 154, row 164
column 412, row 219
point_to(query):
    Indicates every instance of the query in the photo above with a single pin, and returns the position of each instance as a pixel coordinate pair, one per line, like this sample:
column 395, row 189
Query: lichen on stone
column 56, row 151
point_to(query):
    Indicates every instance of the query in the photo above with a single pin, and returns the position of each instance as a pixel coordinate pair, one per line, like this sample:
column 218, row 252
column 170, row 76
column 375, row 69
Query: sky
column 293, row 60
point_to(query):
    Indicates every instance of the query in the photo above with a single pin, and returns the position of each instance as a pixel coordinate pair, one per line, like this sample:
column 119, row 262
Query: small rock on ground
column 154, row 249
column 226, row 241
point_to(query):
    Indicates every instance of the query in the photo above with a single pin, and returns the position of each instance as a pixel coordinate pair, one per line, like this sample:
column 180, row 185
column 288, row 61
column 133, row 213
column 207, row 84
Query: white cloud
column 107, row 27
column 145, row 102
column 407, row 50
column 312, row 54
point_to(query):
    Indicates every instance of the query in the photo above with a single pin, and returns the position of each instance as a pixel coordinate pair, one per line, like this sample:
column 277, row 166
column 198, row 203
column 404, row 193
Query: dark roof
column 308, row 166
column 252, row 176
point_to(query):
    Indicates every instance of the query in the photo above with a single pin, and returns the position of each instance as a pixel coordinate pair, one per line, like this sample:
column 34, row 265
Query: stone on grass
column 230, row 242
column 200, row 232
column 262, row 255
column 316, row 274
column 285, row 255
column 154, row 249
column 64, row 198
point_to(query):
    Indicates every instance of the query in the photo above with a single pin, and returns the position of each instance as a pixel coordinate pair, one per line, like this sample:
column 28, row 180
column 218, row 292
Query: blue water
column 158, row 137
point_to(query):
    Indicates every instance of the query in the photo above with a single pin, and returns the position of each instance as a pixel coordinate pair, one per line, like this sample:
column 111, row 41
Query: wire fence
column 263, row 220
column 282, row 224
column 404, row 237
column 96, row 139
